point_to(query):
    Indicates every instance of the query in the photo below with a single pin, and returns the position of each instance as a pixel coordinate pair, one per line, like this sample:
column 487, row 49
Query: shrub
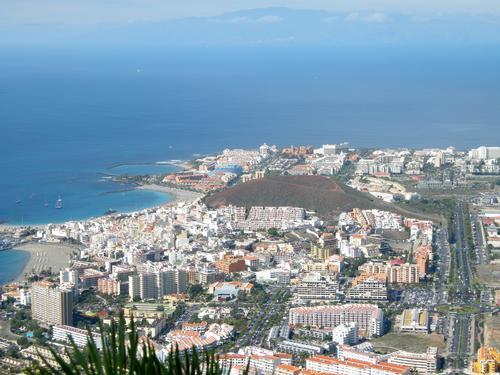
column 121, row 356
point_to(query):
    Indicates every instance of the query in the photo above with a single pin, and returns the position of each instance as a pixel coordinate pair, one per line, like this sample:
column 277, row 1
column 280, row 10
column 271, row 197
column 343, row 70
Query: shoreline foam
column 178, row 195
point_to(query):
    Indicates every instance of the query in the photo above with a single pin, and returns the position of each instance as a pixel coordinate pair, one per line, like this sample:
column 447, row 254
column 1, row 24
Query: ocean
column 69, row 117
column 12, row 263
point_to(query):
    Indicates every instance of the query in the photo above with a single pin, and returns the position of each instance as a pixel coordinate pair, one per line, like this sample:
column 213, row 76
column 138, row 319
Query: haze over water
column 67, row 115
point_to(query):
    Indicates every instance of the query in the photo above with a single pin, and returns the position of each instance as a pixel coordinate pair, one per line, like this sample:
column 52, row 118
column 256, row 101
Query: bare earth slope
column 317, row 193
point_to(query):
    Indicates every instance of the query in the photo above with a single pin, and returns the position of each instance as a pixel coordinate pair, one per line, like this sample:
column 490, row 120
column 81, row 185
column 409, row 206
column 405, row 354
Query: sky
column 16, row 12
column 37, row 21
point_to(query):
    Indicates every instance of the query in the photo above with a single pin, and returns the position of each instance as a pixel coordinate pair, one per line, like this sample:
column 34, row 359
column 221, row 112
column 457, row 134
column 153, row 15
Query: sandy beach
column 45, row 255
column 179, row 195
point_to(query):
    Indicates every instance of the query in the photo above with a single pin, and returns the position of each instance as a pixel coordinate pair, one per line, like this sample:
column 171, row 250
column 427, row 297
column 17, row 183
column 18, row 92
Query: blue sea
column 70, row 117
column 12, row 263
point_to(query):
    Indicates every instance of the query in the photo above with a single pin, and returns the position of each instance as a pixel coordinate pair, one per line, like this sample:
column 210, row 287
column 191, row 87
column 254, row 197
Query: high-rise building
column 403, row 273
column 207, row 276
column 52, row 304
column 70, row 276
column 320, row 252
column 155, row 285
column 109, row 286
column 368, row 288
column 368, row 317
column 318, row 287
column 345, row 334
column 485, row 153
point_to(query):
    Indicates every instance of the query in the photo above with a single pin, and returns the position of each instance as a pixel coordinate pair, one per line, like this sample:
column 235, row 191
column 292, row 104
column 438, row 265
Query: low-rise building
column 297, row 347
column 329, row 365
column 80, row 336
column 487, row 361
column 422, row 362
column 415, row 321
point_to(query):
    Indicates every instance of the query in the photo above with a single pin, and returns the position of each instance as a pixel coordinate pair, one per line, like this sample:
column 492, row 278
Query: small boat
column 18, row 201
column 59, row 203
column 110, row 211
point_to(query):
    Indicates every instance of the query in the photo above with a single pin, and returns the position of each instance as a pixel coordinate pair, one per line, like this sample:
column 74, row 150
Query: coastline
column 178, row 195
column 45, row 255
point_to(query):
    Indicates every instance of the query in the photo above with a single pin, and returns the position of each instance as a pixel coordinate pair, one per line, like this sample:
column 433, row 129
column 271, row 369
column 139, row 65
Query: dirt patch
column 315, row 193
column 492, row 331
column 489, row 274
column 407, row 341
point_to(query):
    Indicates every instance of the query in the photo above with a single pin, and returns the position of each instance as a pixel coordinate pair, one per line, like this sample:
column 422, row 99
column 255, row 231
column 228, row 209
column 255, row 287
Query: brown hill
column 317, row 193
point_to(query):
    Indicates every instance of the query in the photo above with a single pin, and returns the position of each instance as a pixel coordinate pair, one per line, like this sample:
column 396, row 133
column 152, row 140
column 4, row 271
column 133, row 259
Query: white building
column 79, row 336
column 25, row 297
column 345, row 334
column 422, row 362
column 315, row 287
column 368, row 317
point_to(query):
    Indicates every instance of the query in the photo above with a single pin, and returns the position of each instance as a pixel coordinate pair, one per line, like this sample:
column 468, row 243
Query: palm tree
column 119, row 357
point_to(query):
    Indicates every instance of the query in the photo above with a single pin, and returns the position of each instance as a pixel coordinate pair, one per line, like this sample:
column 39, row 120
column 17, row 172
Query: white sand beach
column 179, row 195
column 45, row 255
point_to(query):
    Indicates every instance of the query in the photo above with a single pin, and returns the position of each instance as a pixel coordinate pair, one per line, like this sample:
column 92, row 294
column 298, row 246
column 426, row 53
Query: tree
column 273, row 232
column 195, row 290
column 23, row 342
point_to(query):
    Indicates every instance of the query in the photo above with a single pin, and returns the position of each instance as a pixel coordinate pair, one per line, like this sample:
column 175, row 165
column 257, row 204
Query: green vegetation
column 195, row 291
column 468, row 231
column 257, row 296
column 442, row 207
column 21, row 323
column 273, row 232
column 452, row 278
column 346, row 172
column 351, row 267
column 121, row 357
column 458, row 309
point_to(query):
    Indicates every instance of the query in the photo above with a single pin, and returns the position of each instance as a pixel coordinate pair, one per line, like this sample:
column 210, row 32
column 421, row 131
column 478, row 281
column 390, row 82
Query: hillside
column 317, row 193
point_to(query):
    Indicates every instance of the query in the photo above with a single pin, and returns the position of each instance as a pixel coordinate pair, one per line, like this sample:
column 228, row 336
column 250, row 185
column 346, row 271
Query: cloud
column 352, row 17
column 330, row 19
column 231, row 20
column 269, row 19
column 375, row 17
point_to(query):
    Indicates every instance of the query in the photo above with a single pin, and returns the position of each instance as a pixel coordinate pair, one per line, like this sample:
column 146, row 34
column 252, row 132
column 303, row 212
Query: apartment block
column 51, row 304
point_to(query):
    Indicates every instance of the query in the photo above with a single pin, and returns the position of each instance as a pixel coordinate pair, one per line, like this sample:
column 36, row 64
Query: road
column 479, row 240
column 464, row 293
column 459, row 325
column 443, row 268
column 459, row 340
column 260, row 324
